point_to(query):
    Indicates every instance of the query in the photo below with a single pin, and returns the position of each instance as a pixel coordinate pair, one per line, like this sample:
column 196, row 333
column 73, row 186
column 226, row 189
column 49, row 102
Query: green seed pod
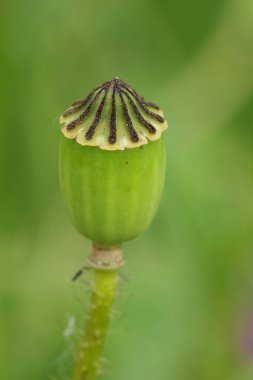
column 112, row 163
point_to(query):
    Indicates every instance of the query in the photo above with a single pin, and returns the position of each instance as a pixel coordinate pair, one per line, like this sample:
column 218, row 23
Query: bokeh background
column 186, row 311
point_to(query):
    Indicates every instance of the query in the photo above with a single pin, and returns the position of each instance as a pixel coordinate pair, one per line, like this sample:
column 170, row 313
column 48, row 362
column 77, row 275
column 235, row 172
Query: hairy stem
column 97, row 321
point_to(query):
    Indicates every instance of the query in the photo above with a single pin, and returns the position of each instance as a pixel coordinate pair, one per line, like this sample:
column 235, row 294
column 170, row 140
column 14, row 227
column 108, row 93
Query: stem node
column 106, row 259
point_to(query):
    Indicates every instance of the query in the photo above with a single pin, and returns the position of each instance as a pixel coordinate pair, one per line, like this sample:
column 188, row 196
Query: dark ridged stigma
column 133, row 100
column 146, row 123
column 113, row 130
column 131, row 130
column 142, row 103
column 95, row 122
column 78, row 104
column 79, row 120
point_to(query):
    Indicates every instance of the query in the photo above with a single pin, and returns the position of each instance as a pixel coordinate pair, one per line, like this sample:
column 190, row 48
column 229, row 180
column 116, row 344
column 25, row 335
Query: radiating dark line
column 78, row 121
column 113, row 130
column 82, row 102
column 141, row 103
column 78, row 104
column 79, row 101
column 151, row 128
column 142, row 100
column 150, row 104
column 133, row 134
column 89, row 134
column 76, row 107
column 153, row 105
column 104, row 84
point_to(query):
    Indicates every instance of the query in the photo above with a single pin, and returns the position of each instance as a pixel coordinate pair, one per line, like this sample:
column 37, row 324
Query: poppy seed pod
column 112, row 163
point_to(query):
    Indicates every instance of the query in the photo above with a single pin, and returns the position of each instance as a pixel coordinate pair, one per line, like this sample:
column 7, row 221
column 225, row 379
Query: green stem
column 97, row 321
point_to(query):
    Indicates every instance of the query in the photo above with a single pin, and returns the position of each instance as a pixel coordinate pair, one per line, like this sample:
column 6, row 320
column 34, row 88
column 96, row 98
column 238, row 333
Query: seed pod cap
column 113, row 117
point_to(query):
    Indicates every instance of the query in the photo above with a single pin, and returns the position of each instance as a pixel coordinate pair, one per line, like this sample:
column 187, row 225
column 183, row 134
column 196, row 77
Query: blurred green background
column 187, row 310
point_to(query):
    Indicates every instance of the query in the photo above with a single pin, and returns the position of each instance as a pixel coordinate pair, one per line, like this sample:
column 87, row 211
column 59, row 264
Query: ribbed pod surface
column 111, row 196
